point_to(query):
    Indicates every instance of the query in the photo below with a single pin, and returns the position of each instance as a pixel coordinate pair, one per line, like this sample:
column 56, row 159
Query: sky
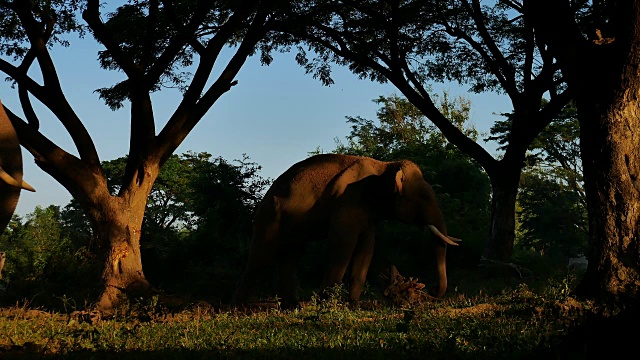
column 275, row 115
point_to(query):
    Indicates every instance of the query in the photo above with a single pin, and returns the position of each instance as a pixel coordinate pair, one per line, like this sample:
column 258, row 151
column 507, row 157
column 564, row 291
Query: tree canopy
column 411, row 44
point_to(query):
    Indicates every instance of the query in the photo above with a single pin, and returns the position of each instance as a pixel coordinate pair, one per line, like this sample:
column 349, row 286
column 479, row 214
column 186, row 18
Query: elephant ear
column 399, row 181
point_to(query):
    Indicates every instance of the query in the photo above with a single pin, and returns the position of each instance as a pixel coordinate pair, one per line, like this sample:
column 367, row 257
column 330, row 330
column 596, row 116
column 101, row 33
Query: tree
column 410, row 43
column 400, row 125
column 597, row 46
column 149, row 42
column 552, row 204
column 197, row 223
column 222, row 198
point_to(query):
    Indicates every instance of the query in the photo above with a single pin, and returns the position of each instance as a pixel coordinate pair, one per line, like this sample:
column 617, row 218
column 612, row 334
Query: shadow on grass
column 307, row 354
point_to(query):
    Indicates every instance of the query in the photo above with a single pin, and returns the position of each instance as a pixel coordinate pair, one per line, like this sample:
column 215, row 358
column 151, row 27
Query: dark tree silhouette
column 597, row 46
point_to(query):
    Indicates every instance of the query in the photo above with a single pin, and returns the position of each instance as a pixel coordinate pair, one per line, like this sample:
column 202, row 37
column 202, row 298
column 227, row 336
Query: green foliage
column 147, row 31
column 198, row 221
column 40, row 257
column 400, row 126
column 222, row 198
column 197, row 227
column 552, row 217
column 61, row 15
column 426, row 40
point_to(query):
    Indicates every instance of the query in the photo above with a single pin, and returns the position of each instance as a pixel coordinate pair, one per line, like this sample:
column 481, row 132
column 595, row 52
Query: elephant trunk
column 441, row 266
column 441, row 255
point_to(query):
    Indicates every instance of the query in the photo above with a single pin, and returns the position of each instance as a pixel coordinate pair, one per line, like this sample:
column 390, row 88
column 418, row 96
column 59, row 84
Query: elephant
column 339, row 198
column 10, row 170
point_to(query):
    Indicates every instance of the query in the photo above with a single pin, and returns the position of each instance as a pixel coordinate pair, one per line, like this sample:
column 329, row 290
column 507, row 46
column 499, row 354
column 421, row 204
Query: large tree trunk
column 611, row 160
column 117, row 224
column 122, row 274
column 602, row 70
column 608, row 102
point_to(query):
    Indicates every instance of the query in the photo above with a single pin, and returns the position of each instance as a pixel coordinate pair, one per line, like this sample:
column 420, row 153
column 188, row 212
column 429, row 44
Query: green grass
column 515, row 322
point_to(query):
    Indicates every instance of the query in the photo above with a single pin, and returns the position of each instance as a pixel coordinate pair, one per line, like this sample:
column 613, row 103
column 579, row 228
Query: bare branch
column 23, row 93
column 500, row 62
column 64, row 167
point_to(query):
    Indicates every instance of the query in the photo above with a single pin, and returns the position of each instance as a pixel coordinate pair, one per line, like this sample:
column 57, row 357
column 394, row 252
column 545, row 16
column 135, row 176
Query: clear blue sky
column 276, row 115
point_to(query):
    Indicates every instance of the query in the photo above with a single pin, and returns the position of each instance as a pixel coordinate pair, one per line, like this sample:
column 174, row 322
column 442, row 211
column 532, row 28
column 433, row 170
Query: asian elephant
column 339, row 198
column 10, row 170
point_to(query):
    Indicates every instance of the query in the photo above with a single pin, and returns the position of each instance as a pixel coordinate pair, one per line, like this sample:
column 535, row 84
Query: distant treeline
column 197, row 225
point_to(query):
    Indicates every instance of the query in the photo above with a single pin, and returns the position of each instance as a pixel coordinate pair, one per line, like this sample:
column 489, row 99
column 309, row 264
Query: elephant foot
column 433, row 293
column 290, row 304
column 354, row 304
column 239, row 298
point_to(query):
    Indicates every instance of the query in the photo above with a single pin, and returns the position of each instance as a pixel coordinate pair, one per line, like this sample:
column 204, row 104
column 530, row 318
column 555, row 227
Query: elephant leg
column 260, row 257
column 289, row 259
column 360, row 263
column 343, row 236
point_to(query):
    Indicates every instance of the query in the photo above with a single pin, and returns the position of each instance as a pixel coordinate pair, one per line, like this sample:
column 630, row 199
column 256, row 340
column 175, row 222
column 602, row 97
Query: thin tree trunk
column 504, row 190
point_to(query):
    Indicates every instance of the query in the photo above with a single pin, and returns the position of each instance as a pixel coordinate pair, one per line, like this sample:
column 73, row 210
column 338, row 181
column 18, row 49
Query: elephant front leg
column 289, row 260
column 360, row 264
column 343, row 236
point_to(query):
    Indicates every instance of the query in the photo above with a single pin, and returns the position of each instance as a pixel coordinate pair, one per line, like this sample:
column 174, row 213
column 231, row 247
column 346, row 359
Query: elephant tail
column 447, row 239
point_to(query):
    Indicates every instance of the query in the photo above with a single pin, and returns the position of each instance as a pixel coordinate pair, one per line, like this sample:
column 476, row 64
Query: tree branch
column 498, row 58
column 52, row 95
column 558, row 30
column 193, row 107
column 62, row 166
column 92, row 16
column 23, row 93
column 185, row 36
column 409, row 88
column 508, row 86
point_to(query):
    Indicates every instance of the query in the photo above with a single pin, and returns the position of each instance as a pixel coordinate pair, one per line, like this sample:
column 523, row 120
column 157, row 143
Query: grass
column 511, row 323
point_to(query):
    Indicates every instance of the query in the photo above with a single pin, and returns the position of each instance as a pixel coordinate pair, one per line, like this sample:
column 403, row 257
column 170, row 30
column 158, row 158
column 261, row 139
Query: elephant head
column 408, row 198
column 414, row 202
column 10, row 170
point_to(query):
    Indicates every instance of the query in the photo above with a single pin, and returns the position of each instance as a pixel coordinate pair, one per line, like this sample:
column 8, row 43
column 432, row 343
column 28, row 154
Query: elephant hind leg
column 343, row 237
column 260, row 257
column 360, row 264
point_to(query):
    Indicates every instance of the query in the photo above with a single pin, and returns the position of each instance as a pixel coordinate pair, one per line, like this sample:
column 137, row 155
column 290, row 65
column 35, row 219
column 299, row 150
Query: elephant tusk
column 26, row 186
column 448, row 240
column 13, row 182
